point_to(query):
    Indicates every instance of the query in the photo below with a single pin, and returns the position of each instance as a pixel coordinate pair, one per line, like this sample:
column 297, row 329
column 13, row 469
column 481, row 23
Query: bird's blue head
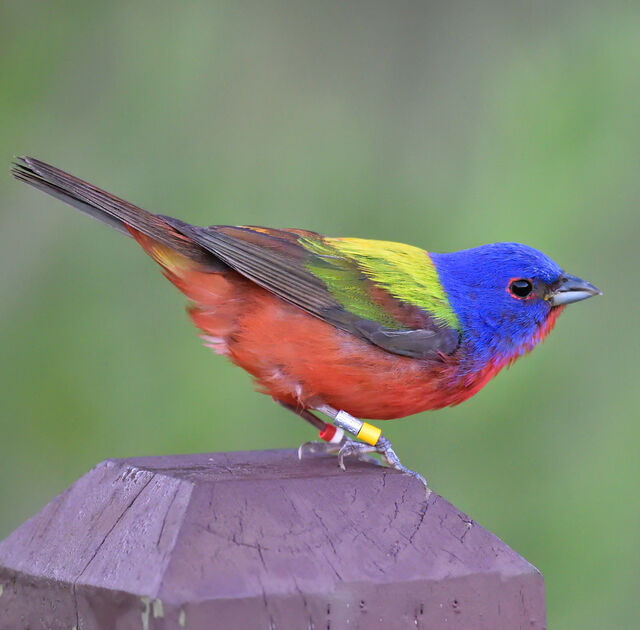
column 506, row 297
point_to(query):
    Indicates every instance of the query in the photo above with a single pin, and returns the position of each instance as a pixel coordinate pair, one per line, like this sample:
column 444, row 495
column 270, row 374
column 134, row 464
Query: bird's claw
column 349, row 448
column 362, row 451
column 384, row 447
column 313, row 448
column 345, row 448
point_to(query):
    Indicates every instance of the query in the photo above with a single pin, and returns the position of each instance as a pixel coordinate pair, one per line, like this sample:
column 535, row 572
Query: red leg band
column 327, row 433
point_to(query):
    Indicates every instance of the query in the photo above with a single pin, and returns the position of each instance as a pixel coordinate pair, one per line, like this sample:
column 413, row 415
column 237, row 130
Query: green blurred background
column 446, row 125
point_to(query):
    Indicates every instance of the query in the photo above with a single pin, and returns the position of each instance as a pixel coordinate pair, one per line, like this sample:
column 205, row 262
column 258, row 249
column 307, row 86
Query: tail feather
column 109, row 209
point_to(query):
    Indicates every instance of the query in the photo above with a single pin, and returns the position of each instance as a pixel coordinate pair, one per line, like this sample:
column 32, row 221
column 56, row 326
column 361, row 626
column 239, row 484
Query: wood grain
column 259, row 540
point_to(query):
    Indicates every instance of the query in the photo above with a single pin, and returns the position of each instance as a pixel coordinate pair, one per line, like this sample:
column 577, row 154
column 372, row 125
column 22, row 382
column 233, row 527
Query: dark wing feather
column 107, row 208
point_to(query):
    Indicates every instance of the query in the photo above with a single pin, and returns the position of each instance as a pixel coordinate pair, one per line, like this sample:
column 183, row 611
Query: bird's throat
column 488, row 353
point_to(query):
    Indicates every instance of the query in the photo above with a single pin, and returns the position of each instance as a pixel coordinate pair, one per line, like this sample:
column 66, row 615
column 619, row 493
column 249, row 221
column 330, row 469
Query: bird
column 352, row 329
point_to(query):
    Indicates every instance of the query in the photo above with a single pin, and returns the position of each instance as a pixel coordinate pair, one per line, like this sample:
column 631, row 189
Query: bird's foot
column 317, row 448
column 361, row 451
column 372, row 441
column 344, row 448
column 383, row 446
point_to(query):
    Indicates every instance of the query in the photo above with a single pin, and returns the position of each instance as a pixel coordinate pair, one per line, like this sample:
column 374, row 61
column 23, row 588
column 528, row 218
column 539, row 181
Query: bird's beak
column 570, row 289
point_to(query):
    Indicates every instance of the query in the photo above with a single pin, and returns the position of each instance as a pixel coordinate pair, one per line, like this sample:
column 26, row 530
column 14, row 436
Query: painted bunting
column 347, row 327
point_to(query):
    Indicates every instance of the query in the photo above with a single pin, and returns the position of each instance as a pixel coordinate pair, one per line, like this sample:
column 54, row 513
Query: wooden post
column 260, row 540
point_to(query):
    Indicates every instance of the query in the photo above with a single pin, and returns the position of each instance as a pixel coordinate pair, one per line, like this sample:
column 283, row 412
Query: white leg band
column 337, row 437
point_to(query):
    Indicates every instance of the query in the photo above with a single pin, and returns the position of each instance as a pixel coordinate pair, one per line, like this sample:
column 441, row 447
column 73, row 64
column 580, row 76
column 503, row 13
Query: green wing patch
column 404, row 271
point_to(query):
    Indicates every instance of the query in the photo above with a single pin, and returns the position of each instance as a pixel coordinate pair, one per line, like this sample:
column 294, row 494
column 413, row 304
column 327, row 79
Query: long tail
column 109, row 209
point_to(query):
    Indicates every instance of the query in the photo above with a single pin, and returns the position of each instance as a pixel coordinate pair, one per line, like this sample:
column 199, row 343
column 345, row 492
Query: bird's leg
column 374, row 442
column 305, row 414
column 332, row 439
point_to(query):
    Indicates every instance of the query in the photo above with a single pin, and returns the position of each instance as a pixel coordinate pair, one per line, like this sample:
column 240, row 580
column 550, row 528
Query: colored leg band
column 369, row 434
column 331, row 434
column 348, row 422
column 362, row 430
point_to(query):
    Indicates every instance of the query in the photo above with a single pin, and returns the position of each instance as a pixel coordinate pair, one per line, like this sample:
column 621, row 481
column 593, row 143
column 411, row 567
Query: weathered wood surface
column 258, row 540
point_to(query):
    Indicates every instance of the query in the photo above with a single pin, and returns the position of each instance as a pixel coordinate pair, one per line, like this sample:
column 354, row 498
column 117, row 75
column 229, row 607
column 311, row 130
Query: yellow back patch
column 405, row 271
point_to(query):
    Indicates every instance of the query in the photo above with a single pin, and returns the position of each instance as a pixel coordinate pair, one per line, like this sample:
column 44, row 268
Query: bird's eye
column 521, row 288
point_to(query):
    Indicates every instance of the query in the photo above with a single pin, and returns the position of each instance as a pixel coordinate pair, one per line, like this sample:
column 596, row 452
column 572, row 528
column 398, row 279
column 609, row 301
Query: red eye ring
column 521, row 288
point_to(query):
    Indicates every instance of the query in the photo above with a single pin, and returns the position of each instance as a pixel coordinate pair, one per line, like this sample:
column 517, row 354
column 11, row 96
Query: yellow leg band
column 369, row 434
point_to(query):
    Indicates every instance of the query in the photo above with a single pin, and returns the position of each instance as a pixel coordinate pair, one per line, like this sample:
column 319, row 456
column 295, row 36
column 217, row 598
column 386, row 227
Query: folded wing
column 374, row 290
